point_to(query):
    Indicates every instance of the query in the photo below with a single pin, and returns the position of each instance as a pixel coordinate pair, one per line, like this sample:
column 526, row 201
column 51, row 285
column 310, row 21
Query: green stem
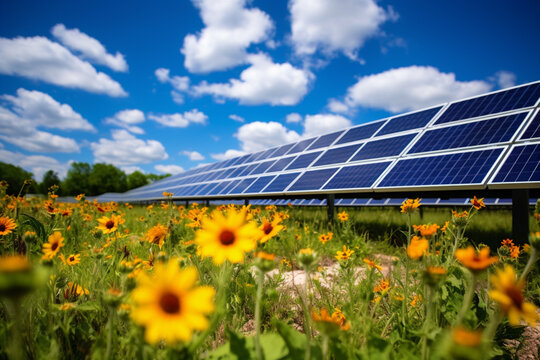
column 258, row 301
column 307, row 320
column 325, row 347
column 110, row 328
column 427, row 323
column 530, row 264
column 467, row 299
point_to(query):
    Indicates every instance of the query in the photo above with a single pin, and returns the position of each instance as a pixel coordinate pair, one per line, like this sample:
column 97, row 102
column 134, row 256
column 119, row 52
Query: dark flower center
column 2, row 228
column 54, row 246
column 516, row 296
column 156, row 239
column 170, row 303
column 227, row 237
column 72, row 258
column 268, row 228
column 110, row 224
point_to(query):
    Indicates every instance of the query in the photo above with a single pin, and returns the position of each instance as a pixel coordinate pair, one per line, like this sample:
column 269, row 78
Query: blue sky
column 170, row 85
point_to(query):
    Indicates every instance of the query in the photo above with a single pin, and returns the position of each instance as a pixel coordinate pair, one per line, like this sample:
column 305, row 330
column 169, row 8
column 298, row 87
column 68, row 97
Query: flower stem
column 530, row 264
column 258, row 301
column 467, row 299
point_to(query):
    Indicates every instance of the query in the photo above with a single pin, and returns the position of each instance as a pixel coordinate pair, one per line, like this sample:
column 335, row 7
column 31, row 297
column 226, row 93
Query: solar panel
column 312, row 180
column 280, row 164
column 360, row 132
column 219, row 187
column 325, row 140
column 358, row 176
column 300, row 146
column 489, row 131
column 378, row 202
column 533, row 130
column 280, row 183
column 382, row 148
column 207, row 189
column 303, row 161
column 262, row 167
column 522, row 165
column 242, row 186
column 337, row 155
column 259, row 184
column 266, row 154
column 452, row 169
column 282, row 150
column 408, row 122
column 229, row 187
column 240, row 160
column 248, row 170
column 507, row 100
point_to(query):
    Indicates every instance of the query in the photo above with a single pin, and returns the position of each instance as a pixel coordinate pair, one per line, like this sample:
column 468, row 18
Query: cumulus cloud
column 338, row 106
column 324, row 123
column 260, row 135
column 505, row 79
column 230, row 28
column 127, row 119
column 264, row 82
column 294, row 118
column 180, row 120
column 89, row 48
column 169, row 169
column 229, row 154
column 125, row 149
column 37, row 164
column 180, row 83
column 38, row 58
column 237, row 118
column 410, row 88
column 321, row 25
column 131, row 169
column 193, row 155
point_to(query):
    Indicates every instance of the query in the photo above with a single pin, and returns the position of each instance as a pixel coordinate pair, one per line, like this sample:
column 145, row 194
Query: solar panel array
column 487, row 141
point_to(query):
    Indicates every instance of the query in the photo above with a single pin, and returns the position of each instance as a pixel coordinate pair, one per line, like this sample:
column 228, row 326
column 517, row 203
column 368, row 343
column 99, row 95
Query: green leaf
column 238, row 345
column 296, row 342
column 34, row 224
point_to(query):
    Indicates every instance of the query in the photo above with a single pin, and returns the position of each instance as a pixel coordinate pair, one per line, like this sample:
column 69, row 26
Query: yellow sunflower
column 51, row 248
column 156, row 235
column 270, row 229
column 6, row 225
column 227, row 238
column 169, row 305
column 73, row 259
column 109, row 225
column 410, row 205
column 508, row 293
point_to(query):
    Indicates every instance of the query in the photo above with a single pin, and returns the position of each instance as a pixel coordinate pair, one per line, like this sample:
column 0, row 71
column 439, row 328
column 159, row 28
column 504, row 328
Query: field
column 104, row 281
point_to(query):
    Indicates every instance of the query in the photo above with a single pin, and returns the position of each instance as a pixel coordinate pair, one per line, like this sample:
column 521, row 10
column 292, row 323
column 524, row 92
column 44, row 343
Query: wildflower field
column 164, row 281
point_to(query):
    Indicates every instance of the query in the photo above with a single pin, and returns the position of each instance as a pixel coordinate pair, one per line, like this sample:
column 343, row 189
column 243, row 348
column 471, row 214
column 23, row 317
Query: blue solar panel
column 363, row 201
column 259, row 184
column 409, row 122
column 489, row 131
column 452, row 201
column 280, row 164
column 337, row 155
column 453, row 169
column 282, row 150
column 237, row 171
column 325, row 140
column 359, row 176
column 395, row 201
column 522, row 165
column 346, row 202
column 303, row 161
column 312, row 180
column 207, row 189
column 360, row 132
column 224, row 174
column 219, row 187
column 229, row 187
column 262, row 167
column 512, row 99
column 248, row 170
column 378, row 202
column 429, row 201
column 381, row 148
column 300, row 146
column 280, row 183
column 213, row 175
column 242, row 186
column 254, row 156
column 266, row 154
column 240, row 160
column 533, row 130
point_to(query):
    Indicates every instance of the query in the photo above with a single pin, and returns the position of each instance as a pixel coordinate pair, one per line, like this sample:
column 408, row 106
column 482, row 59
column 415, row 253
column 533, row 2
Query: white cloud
column 410, row 88
column 177, row 97
column 505, row 79
column 338, row 106
column 127, row 119
column 324, row 25
column 169, row 169
column 229, row 154
column 180, row 83
column 126, row 149
column 180, row 120
column 131, row 169
column 230, row 28
column 324, row 123
column 41, row 141
column 294, row 118
column 193, row 155
column 37, row 164
column 264, row 82
column 237, row 118
column 38, row 58
column 260, row 135
column 89, row 48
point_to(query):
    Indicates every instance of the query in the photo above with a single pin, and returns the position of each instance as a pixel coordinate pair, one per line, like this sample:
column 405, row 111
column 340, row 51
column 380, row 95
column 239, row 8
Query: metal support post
column 330, row 199
column 246, row 202
column 520, row 216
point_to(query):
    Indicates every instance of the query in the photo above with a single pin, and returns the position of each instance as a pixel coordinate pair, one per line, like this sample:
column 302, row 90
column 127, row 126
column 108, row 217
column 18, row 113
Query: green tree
column 136, row 179
column 153, row 177
column 76, row 181
column 106, row 178
column 50, row 178
column 15, row 177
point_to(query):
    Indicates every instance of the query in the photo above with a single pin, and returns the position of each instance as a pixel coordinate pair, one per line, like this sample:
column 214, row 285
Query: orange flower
column 329, row 324
column 473, row 261
column 324, row 238
column 464, row 337
column 382, row 287
column 6, row 225
column 426, row 230
column 477, row 203
column 345, row 254
column 372, row 264
column 410, row 205
column 417, row 248
column 343, row 216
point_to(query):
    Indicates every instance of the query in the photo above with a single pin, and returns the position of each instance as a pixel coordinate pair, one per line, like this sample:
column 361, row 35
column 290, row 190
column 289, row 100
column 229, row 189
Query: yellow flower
column 477, row 203
column 382, row 287
column 79, row 197
column 167, row 194
column 6, row 225
column 426, row 230
column 14, row 263
column 330, row 324
column 345, row 254
column 508, row 293
column 74, row 290
column 227, row 238
column 372, row 264
column 416, row 299
column 51, row 248
column 169, row 305
column 343, row 216
column 324, row 238
column 417, row 248
column 109, row 225
column 410, row 205
column 67, row 306
column 156, row 235
column 475, row 262
column 464, row 337
column 73, row 259
column 270, row 229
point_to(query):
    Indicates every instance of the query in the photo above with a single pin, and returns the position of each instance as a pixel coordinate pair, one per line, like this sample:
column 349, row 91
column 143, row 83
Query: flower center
column 156, row 239
column 72, row 258
column 110, row 224
column 54, row 246
column 226, row 237
column 268, row 228
column 516, row 296
column 170, row 303
column 2, row 227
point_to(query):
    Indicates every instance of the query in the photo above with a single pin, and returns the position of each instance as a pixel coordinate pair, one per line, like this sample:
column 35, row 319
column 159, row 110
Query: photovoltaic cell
column 237, row 171
column 360, row 132
column 533, row 130
column 522, row 165
column 337, row 155
column 207, row 189
column 381, row 148
column 312, row 180
column 242, row 185
column 280, row 164
column 300, row 146
column 280, row 183
column 248, row 170
column 358, row 176
column 262, row 167
column 229, row 187
column 219, row 187
column 489, row 131
column 453, row 169
column 325, row 140
column 303, row 161
column 409, row 122
column 259, row 184
column 282, row 150
column 241, row 160
column 512, row 99
column 266, row 154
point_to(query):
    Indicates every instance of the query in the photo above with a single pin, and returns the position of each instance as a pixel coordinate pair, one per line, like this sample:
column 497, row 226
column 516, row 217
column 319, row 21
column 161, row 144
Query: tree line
column 81, row 178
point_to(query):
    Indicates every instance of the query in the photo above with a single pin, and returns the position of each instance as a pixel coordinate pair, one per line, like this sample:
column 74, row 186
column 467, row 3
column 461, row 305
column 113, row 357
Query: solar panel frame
column 532, row 130
column 514, row 161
